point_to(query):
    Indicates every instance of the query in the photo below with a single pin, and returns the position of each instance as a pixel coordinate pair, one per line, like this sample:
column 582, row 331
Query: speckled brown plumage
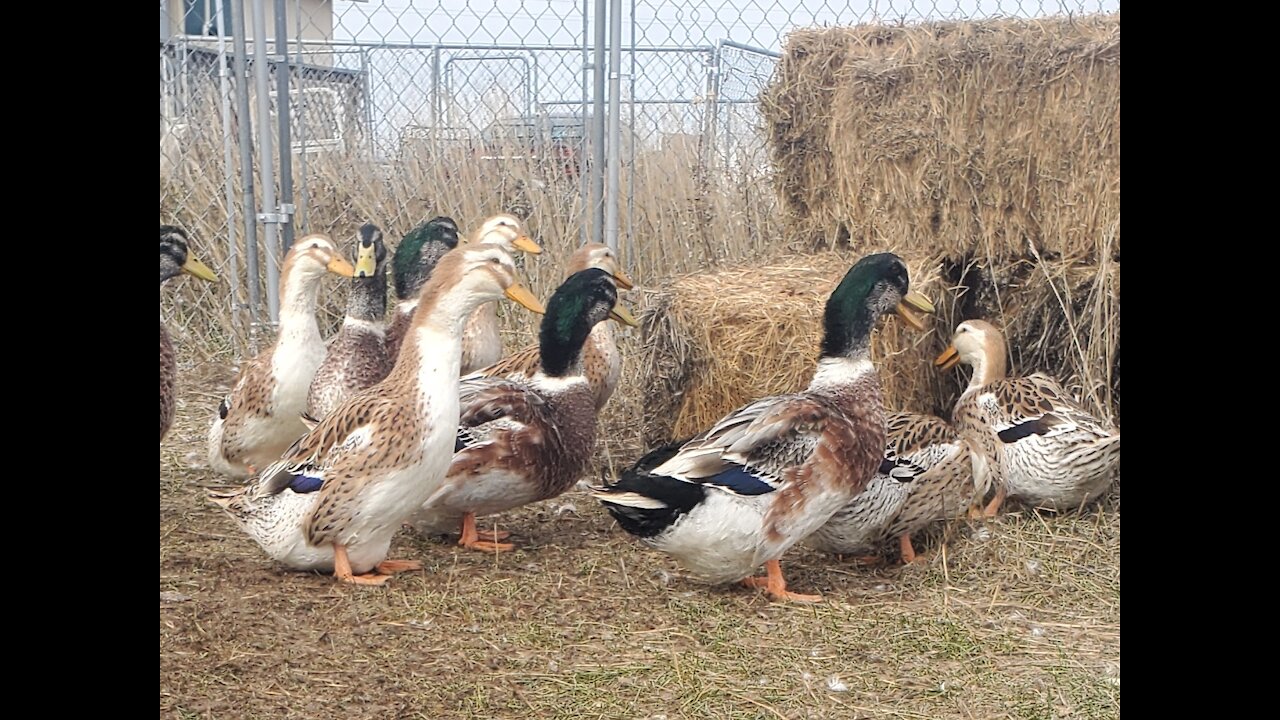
column 336, row 497
column 357, row 356
column 359, row 360
column 262, row 414
column 175, row 259
column 401, row 319
column 168, row 378
column 1035, row 442
column 925, row 476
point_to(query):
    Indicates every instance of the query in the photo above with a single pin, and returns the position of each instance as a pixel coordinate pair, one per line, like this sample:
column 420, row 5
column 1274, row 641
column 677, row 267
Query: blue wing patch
column 303, row 484
column 459, row 443
column 741, row 481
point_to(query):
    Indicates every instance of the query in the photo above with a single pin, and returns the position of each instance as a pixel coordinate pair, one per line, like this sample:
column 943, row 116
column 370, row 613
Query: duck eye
column 494, row 261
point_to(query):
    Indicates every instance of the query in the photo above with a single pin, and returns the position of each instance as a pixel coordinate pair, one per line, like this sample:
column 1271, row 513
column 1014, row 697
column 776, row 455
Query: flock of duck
column 419, row 421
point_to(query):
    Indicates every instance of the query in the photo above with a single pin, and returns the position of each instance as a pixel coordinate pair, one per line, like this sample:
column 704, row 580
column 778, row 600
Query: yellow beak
column 914, row 301
column 948, row 359
column 339, row 266
column 526, row 243
column 624, row 316
column 194, row 267
column 623, row 280
column 366, row 261
column 521, row 294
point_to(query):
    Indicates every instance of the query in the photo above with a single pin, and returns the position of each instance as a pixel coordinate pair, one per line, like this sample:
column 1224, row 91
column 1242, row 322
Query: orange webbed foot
column 390, row 567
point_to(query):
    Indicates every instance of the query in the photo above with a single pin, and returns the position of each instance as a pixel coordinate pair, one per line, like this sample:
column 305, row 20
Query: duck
column 601, row 360
column 357, row 356
column 175, row 259
column 481, row 342
column 262, row 415
column 335, row 498
column 415, row 257
column 925, row 476
column 1033, row 442
column 528, row 440
column 741, row 493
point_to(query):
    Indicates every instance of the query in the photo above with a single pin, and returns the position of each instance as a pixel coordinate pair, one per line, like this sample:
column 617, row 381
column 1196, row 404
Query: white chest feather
column 298, row 354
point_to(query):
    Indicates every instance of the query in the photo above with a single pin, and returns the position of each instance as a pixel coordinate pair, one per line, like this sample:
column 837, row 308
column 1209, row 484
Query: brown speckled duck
column 481, row 341
column 357, row 356
column 175, row 259
column 336, row 497
column 524, row 441
column 925, row 476
column 1033, row 441
column 262, row 415
column 740, row 494
column 601, row 361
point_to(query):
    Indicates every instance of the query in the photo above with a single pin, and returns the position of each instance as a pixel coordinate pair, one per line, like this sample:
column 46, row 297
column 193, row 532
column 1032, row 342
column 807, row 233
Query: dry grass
column 684, row 219
column 1018, row 618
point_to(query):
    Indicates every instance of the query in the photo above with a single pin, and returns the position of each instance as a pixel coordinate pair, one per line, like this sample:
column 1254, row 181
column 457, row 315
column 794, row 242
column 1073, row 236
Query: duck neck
column 845, row 362
column 560, row 346
column 435, row 334
column 847, row 325
column 601, row 335
column 989, row 367
column 168, row 270
column 368, row 299
column 298, row 298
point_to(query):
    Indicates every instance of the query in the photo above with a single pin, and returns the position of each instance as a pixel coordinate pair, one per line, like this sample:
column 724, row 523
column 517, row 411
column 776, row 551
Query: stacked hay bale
column 986, row 153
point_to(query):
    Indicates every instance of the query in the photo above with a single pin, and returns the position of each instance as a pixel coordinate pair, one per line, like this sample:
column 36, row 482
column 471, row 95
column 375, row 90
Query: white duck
column 262, row 414
column 481, row 341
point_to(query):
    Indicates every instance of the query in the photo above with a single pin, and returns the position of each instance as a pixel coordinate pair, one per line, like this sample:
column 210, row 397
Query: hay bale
column 1002, row 133
column 715, row 341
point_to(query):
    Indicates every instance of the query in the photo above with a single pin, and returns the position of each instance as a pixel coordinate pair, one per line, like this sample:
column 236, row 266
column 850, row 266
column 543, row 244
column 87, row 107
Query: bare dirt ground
column 1014, row 618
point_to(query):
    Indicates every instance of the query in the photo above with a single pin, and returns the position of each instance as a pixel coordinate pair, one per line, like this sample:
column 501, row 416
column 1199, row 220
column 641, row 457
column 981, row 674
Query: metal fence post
column 283, row 100
column 301, row 202
column 584, row 144
column 248, row 202
column 597, row 128
column 631, row 133
column 228, row 160
column 271, row 217
column 615, row 130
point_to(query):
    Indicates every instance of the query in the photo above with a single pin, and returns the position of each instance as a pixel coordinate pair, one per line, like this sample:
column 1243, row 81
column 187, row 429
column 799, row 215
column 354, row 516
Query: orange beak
column 949, row 358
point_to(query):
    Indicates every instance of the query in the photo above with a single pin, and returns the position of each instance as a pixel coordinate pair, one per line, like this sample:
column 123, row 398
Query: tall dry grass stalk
column 683, row 219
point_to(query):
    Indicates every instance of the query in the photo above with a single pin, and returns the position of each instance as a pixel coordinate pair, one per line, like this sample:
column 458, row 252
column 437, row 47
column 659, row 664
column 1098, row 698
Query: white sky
column 762, row 23
column 478, row 85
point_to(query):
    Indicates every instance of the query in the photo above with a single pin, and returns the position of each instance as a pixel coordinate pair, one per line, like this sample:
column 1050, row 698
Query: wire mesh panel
column 399, row 110
column 198, row 153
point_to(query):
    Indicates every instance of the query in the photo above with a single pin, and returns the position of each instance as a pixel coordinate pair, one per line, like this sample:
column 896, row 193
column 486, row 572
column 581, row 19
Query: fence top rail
column 510, row 47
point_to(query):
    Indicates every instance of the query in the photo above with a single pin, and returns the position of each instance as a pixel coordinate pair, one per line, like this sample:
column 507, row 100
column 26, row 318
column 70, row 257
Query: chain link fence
column 400, row 110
